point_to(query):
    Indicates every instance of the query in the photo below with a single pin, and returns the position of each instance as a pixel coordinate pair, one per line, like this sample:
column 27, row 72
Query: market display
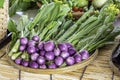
column 55, row 39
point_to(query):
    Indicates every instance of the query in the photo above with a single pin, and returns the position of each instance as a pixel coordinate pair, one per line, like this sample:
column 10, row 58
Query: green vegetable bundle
column 43, row 25
column 51, row 35
column 85, row 33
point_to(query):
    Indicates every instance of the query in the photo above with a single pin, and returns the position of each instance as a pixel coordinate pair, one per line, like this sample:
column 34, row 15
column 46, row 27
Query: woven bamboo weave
column 3, row 19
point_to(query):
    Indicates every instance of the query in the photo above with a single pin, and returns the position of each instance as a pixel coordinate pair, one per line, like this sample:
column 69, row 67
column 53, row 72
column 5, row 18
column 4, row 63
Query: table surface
column 99, row 69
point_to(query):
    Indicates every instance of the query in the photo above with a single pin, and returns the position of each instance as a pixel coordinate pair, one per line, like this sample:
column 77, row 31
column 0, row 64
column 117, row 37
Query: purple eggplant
column 49, row 46
column 18, row 61
column 52, row 66
column 34, row 56
column 71, row 51
column 59, row 61
column 25, row 63
column 33, row 65
column 84, row 54
column 49, row 55
column 70, row 61
column 63, row 47
column 23, row 41
column 31, row 43
column 64, row 55
column 41, row 45
column 69, row 45
column 37, row 49
column 43, row 66
column 42, row 53
column 57, row 51
column 22, row 48
column 31, row 49
column 41, row 60
column 36, row 38
column 78, row 58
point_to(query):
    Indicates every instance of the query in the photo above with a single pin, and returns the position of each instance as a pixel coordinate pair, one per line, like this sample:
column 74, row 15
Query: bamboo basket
column 3, row 19
column 57, row 70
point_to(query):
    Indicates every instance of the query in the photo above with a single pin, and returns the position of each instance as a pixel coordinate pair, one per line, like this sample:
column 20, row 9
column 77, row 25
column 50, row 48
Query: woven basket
column 3, row 19
column 57, row 70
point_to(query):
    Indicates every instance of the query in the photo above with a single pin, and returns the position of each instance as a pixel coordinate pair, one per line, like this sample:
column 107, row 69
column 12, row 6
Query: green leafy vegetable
column 2, row 3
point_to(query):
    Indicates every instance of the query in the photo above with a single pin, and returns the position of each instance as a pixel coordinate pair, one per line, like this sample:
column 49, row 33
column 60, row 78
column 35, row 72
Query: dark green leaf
column 12, row 26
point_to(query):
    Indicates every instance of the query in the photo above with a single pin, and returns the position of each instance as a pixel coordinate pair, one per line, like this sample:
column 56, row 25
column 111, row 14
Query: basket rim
column 74, row 67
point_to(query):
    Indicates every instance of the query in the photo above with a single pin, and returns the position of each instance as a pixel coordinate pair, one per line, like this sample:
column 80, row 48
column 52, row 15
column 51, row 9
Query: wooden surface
column 97, row 70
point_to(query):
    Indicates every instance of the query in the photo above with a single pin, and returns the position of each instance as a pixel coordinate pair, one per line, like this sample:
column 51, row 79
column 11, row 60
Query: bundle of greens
column 42, row 25
column 51, row 35
column 94, row 32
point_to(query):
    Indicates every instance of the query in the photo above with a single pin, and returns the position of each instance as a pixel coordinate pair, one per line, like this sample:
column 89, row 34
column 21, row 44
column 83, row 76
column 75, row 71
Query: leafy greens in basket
column 52, row 40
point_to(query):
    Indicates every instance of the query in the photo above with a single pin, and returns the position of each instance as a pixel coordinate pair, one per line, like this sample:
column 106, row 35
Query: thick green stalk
column 84, row 41
column 47, row 28
column 84, row 31
column 83, row 17
column 43, row 10
column 59, row 34
column 25, row 56
column 52, row 31
column 67, row 33
column 14, row 48
column 73, row 28
column 84, row 24
column 99, row 36
column 16, row 55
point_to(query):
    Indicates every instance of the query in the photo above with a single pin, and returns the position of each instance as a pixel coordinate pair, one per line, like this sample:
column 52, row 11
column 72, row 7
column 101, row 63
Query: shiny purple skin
column 31, row 43
column 36, row 38
column 37, row 50
column 41, row 46
column 34, row 56
column 49, row 46
column 52, row 66
column 42, row 53
column 69, row 45
column 64, row 55
column 22, row 48
column 70, row 61
column 78, row 58
column 33, row 65
column 41, row 60
column 23, row 40
column 57, row 51
column 84, row 54
column 63, row 47
column 31, row 49
column 25, row 63
column 43, row 66
column 49, row 55
column 18, row 61
column 59, row 60
column 71, row 51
